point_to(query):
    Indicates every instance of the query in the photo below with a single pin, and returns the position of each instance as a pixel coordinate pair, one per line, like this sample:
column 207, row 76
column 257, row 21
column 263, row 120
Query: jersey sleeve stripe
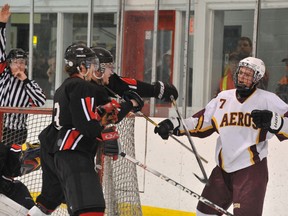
column 15, row 148
column 129, row 81
column 72, row 137
column 87, row 105
column 220, row 158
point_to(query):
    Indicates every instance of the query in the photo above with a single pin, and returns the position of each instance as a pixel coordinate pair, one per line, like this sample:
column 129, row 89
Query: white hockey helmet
column 256, row 64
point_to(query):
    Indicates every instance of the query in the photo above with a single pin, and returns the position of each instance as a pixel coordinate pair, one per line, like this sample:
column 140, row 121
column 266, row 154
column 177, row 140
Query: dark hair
column 246, row 39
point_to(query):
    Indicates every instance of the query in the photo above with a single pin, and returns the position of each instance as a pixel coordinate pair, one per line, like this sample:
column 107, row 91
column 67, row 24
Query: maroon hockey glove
column 108, row 113
column 164, row 91
column 110, row 142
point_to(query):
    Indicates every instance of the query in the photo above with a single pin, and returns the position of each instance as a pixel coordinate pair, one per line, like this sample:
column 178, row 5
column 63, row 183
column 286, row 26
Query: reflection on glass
column 235, row 31
column 272, row 47
column 164, row 63
column 138, row 50
column 44, row 45
column 104, row 32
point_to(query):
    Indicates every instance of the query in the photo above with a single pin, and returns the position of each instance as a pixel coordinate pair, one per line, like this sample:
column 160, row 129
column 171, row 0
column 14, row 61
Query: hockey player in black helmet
column 81, row 113
column 79, row 58
column 119, row 85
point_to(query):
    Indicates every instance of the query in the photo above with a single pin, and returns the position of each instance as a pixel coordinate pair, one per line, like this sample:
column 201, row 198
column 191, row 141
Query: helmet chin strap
column 99, row 80
column 85, row 75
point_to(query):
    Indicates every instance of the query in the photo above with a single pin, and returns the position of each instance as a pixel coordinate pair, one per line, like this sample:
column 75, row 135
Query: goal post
column 119, row 177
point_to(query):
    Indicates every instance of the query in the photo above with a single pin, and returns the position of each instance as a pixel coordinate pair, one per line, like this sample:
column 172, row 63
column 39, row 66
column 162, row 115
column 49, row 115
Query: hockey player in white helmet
column 245, row 119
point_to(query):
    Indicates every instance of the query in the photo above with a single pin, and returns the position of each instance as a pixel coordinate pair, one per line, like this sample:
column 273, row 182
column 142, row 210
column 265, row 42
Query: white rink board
column 177, row 163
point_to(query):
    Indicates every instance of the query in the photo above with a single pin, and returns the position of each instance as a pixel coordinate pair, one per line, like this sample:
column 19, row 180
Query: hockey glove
column 12, row 164
column 167, row 127
column 110, row 142
column 108, row 113
column 30, row 158
column 268, row 120
column 164, row 91
column 131, row 95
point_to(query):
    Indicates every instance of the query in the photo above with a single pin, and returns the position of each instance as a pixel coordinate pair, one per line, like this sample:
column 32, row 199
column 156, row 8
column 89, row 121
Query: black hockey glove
column 131, row 95
column 3, row 155
column 167, row 127
column 268, row 120
column 110, row 142
column 164, row 91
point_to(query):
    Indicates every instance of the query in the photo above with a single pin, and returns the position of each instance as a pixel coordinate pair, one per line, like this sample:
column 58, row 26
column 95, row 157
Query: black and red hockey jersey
column 121, row 84
column 75, row 102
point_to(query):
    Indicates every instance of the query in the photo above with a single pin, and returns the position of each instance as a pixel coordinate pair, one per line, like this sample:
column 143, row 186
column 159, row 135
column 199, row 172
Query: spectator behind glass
column 244, row 48
column 227, row 81
column 40, row 66
column 163, row 70
column 282, row 85
column 51, row 74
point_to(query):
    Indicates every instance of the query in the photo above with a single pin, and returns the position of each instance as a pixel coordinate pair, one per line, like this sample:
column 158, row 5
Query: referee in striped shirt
column 16, row 90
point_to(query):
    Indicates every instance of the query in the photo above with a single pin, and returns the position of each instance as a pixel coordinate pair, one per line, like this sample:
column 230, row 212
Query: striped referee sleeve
column 35, row 93
column 2, row 42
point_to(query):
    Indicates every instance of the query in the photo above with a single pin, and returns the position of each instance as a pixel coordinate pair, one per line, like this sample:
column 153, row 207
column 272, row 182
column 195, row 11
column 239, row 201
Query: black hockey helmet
column 17, row 53
column 77, row 55
column 105, row 57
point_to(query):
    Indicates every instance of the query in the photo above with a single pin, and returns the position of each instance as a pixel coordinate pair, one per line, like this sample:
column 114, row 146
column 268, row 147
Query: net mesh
column 119, row 177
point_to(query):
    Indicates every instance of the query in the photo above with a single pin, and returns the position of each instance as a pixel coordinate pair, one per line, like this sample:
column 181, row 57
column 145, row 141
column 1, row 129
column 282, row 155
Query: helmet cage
column 92, row 60
column 105, row 58
column 104, row 65
column 256, row 65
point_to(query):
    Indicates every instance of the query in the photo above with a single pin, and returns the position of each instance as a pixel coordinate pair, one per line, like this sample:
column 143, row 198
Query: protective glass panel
column 233, row 32
column 272, row 48
column 44, row 42
column 139, row 33
column 44, row 51
column 104, row 31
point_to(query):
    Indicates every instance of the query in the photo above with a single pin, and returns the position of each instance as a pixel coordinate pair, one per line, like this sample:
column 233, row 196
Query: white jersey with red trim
column 240, row 144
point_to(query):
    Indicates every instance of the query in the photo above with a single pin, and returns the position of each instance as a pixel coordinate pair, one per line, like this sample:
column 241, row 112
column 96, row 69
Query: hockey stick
column 176, row 184
column 171, row 135
column 204, row 179
column 155, row 124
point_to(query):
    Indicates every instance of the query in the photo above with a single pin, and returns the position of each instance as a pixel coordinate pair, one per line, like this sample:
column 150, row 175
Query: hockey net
column 119, row 177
